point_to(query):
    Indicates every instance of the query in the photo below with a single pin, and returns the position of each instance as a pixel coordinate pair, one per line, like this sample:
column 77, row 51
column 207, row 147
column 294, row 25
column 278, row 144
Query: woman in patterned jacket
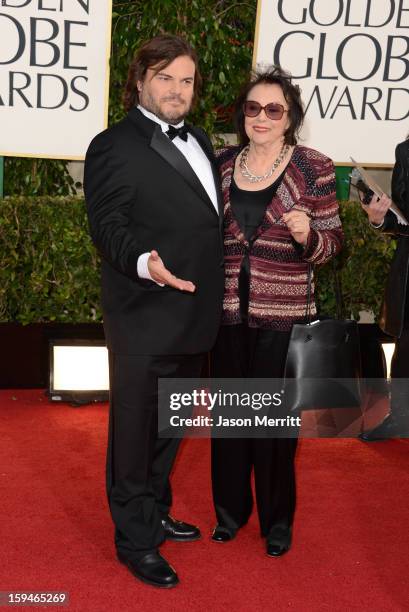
column 280, row 216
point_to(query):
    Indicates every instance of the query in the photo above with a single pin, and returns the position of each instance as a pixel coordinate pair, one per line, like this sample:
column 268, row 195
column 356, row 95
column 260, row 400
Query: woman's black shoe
column 390, row 427
column 277, row 550
column 223, row 534
column 279, row 541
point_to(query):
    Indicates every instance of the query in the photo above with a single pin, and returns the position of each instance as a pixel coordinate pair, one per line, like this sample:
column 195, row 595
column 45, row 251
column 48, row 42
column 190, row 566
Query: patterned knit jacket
column 278, row 264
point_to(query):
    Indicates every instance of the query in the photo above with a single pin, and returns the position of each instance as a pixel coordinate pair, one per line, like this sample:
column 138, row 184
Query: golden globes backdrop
column 54, row 72
column 351, row 60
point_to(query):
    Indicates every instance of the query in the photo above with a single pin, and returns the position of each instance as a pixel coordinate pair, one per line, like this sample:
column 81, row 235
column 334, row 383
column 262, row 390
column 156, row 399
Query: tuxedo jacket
column 395, row 302
column 142, row 194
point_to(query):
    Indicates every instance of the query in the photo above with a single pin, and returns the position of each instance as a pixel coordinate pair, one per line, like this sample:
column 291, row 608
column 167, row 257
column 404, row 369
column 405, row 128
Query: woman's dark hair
column 158, row 52
column 272, row 76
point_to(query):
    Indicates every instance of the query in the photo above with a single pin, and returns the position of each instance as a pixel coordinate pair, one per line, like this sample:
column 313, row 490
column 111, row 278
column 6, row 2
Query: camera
column 365, row 193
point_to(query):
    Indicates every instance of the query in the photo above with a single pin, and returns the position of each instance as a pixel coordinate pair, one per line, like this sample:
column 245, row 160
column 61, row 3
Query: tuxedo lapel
column 207, row 148
column 219, row 194
column 171, row 154
column 164, row 147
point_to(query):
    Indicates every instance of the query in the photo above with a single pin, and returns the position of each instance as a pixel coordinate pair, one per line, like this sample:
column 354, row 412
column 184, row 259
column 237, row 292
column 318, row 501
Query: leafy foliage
column 49, row 269
column 361, row 267
column 221, row 31
column 33, row 177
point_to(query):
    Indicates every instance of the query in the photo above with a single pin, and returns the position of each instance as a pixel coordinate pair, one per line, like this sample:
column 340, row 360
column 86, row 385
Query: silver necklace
column 255, row 178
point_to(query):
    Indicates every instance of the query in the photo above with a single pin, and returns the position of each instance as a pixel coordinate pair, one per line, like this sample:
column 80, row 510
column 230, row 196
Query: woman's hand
column 298, row 222
column 377, row 209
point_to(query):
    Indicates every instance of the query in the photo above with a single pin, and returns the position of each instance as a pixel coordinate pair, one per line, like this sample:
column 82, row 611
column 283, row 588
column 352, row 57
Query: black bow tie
column 182, row 132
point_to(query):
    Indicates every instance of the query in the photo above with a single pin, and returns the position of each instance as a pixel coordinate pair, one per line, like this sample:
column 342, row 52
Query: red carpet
column 351, row 536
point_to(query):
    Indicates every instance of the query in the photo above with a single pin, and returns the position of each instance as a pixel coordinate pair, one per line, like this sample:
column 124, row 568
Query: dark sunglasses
column 273, row 111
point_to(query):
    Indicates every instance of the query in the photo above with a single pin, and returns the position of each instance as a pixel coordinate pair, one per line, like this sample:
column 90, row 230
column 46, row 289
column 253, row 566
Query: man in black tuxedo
column 154, row 209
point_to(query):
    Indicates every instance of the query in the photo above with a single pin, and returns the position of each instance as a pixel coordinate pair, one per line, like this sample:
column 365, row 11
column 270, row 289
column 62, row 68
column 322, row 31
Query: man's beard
column 173, row 118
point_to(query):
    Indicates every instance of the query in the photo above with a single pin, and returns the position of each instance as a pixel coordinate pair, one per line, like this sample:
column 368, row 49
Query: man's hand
column 161, row 275
column 298, row 223
column 377, row 209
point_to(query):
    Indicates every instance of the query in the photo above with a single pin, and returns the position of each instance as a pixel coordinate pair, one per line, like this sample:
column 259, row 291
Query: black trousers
column 244, row 352
column 138, row 462
column 400, row 370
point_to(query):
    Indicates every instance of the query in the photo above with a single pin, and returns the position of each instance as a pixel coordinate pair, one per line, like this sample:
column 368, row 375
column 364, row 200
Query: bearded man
column 154, row 208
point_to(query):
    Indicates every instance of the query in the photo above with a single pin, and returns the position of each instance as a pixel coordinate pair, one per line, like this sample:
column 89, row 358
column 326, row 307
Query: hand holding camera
column 377, row 208
column 374, row 206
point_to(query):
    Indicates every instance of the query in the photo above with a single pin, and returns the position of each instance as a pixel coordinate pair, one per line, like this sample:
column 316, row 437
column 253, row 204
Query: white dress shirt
column 201, row 166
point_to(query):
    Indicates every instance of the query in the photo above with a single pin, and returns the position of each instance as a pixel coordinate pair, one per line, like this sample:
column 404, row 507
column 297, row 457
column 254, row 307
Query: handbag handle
column 338, row 292
column 308, row 309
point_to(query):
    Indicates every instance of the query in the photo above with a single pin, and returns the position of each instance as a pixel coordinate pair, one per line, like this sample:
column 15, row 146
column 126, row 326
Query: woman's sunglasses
column 273, row 111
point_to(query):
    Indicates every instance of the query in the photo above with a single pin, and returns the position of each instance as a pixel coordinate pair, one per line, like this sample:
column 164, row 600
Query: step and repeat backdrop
column 351, row 61
column 350, row 58
column 54, row 76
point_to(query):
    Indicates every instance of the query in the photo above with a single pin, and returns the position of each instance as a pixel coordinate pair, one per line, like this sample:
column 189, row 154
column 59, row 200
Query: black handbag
column 323, row 365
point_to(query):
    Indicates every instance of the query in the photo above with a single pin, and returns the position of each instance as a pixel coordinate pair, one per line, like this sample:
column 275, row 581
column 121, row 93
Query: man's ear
column 139, row 85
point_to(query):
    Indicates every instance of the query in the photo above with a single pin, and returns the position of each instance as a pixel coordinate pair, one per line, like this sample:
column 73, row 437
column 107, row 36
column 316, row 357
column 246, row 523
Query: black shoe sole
column 213, row 539
column 221, row 541
column 375, row 438
column 174, row 539
column 146, row 580
column 279, row 555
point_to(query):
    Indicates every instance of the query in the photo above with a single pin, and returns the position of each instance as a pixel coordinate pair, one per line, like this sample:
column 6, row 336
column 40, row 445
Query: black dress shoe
column 277, row 550
column 278, row 540
column 152, row 569
column 178, row 531
column 390, row 427
column 223, row 534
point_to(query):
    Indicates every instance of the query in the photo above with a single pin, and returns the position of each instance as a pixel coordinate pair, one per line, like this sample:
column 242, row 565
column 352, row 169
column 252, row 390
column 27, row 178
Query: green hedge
column 362, row 266
column 49, row 268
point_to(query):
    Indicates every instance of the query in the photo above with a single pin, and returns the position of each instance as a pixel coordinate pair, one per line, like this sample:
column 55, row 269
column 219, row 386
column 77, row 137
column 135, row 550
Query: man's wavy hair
column 273, row 75
column 158, row 53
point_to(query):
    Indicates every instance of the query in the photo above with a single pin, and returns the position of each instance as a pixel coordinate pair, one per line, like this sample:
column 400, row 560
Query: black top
column 249, row 207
